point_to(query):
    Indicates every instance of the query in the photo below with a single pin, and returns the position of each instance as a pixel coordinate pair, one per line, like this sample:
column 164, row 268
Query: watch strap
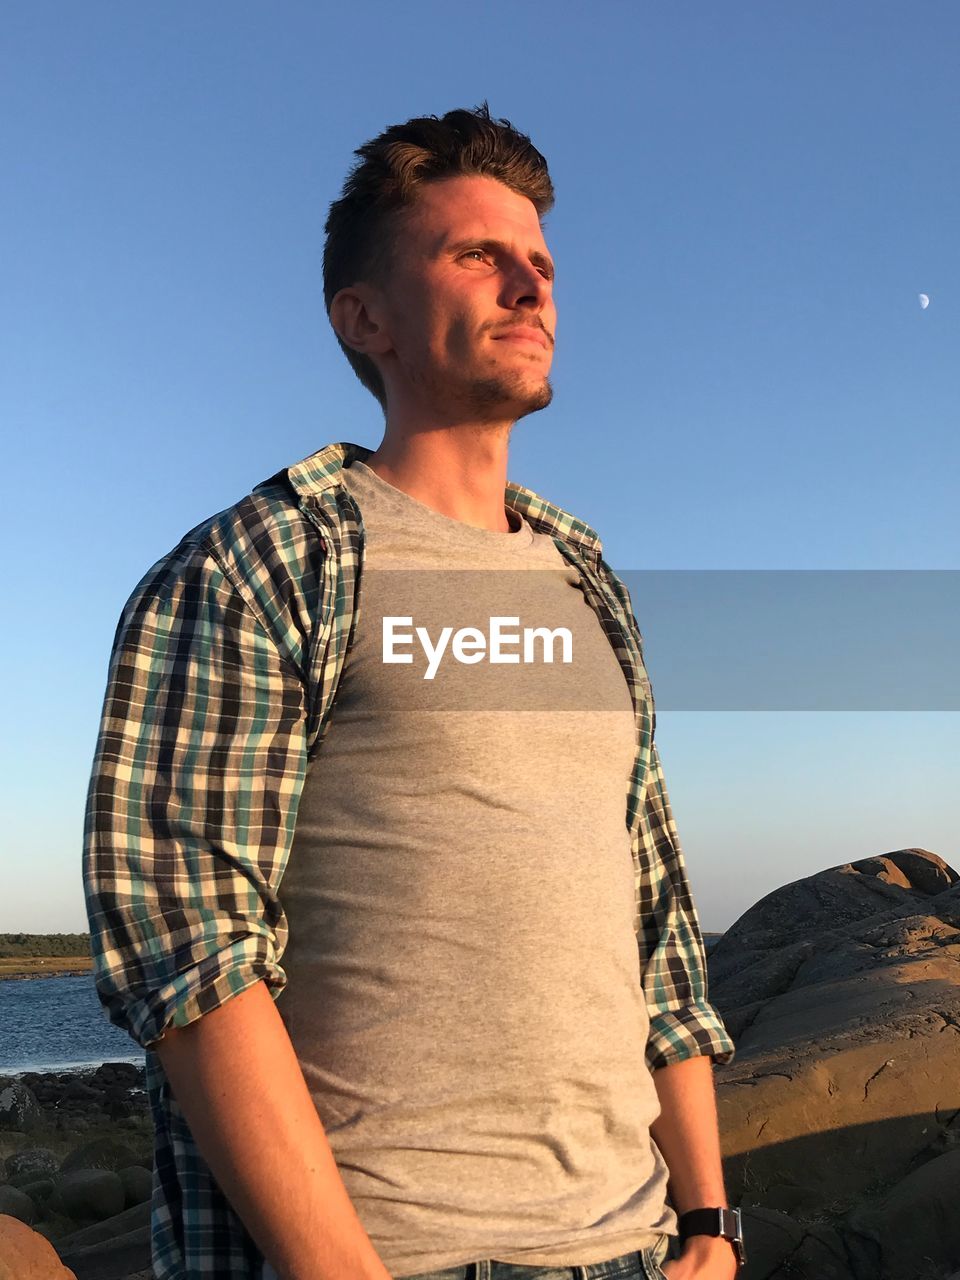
column 714, row 1222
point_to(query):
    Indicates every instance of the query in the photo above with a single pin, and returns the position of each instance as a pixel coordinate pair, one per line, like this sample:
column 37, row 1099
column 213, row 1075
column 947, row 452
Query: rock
column 76, row 1101
column 19, row 1109
column 787, row 1198
column 39, row 1191
column 34, row 1160
column 101, row 1153
column 917, row 1222
column 89, row 1194
column 25, row 1255
column 118, row 1247
column 117, row 1108
column 120, row 1224
column 21, row 1179
column 914, row 869
column 766, row 946
column 843, row 994
column 770, row 1238
column 820, row 1255
column 17, row 1204
column 77, row 1091
column 119, row 1258
column 137, row 1184
column 127, row 1073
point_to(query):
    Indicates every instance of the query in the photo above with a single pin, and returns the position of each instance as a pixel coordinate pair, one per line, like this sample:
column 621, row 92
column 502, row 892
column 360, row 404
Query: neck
column 460, row 471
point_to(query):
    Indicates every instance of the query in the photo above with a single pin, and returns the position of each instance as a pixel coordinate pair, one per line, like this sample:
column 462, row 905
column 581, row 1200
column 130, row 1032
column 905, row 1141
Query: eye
column 476, row 254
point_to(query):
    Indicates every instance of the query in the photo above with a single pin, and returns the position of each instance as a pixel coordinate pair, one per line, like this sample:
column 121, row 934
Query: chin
column 537, row 400
column 499, row 398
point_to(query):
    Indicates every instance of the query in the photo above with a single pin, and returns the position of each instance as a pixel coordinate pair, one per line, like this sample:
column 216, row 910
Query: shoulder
column 262, row 551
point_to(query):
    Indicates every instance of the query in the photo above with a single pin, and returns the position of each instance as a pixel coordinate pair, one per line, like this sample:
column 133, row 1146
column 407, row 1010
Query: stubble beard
column 504, row 396
column 508, row 397
column 494, row 399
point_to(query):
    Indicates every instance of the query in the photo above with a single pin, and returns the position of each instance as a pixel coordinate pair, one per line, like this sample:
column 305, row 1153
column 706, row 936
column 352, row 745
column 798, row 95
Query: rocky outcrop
column 114, row 1090
column 33, row 1162
column 840, row 1116
column 117, row 1249
column 80, row 1174
column 19, row 1108
column 25, row 1255
column 842, row 992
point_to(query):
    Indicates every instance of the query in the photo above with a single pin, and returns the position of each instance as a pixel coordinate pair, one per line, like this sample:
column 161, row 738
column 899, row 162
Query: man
column 495, row 1038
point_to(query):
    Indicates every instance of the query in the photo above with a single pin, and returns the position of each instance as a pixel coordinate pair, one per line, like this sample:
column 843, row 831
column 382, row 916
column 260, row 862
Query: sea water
column 55, row 1024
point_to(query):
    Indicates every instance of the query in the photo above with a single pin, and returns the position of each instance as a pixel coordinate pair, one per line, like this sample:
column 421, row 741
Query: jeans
column 643, row 1264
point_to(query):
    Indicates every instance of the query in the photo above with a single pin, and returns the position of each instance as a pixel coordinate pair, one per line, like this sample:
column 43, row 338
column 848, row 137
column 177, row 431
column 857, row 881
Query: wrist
column 712, row 1252
column 714, row 1233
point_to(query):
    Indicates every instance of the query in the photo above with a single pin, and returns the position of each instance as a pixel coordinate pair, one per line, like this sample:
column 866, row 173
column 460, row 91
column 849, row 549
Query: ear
column 358, row 317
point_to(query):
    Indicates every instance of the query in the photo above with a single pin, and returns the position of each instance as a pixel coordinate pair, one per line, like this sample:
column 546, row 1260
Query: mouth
column 525, row 334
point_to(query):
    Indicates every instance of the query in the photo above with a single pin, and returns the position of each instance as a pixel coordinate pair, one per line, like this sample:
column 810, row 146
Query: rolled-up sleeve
column 191, row 808
column 683, row 1023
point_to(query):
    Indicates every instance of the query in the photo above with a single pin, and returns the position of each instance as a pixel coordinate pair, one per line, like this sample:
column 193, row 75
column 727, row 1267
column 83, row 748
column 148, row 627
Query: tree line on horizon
column 18, row 945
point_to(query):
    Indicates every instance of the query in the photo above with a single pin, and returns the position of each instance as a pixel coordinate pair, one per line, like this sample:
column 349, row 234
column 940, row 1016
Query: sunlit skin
column 462, row 330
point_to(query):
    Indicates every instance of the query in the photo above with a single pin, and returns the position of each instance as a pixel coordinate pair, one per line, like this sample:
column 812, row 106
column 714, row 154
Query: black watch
column 715, row 1222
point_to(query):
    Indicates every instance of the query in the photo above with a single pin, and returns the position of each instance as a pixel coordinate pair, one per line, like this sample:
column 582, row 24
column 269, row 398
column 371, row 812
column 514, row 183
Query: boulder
column 842, row 992
column 770, row 1239
column 119, row 1258
column 117, row 1249
column 120, row 1224
column 79, row 1091
column 779, row 1248
column 17, row 1204
column 821, row 1255
column 25, row 1255
column 89, row 1194
column 101, row 1153
column 36, row 1161
column 786, row 1197
column 116, row 1105
column 39, row 1191
column 137, row 1184
column 915, row 1225
column 123, row 1258
column 126, row 1073
column 19, row 1109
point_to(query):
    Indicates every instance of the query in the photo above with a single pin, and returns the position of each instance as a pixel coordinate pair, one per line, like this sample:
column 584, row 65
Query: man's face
column 469, row 302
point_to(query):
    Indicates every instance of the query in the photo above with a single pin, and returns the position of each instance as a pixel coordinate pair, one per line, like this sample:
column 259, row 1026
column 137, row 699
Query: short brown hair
column 387, row 177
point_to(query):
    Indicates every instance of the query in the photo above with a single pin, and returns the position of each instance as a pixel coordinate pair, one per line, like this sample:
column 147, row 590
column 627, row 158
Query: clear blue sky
column 750, row 199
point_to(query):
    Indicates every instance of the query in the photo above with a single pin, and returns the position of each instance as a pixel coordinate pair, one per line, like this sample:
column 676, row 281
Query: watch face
column 726, row 1223
column 737, row 1240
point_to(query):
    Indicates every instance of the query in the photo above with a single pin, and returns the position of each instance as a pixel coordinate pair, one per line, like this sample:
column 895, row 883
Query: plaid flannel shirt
column 221, row 685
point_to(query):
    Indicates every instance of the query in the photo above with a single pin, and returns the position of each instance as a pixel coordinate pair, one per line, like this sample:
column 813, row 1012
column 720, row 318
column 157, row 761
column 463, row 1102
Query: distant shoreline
column 18, row 967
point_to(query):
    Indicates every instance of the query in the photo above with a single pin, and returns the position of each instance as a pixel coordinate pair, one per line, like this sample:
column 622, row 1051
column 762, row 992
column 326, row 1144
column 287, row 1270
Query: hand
column 703, row 1258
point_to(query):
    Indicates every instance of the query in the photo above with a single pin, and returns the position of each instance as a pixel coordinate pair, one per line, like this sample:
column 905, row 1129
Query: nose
column 525, row 286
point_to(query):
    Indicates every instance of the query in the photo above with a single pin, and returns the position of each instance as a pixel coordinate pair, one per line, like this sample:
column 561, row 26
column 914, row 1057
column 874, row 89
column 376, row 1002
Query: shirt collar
column 321, row 472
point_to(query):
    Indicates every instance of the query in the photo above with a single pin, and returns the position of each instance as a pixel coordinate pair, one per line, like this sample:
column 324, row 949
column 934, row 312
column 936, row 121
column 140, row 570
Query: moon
column 924, row 301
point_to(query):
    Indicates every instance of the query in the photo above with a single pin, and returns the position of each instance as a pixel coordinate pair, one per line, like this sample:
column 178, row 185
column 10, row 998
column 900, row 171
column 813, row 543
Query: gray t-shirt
column 464, row 990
